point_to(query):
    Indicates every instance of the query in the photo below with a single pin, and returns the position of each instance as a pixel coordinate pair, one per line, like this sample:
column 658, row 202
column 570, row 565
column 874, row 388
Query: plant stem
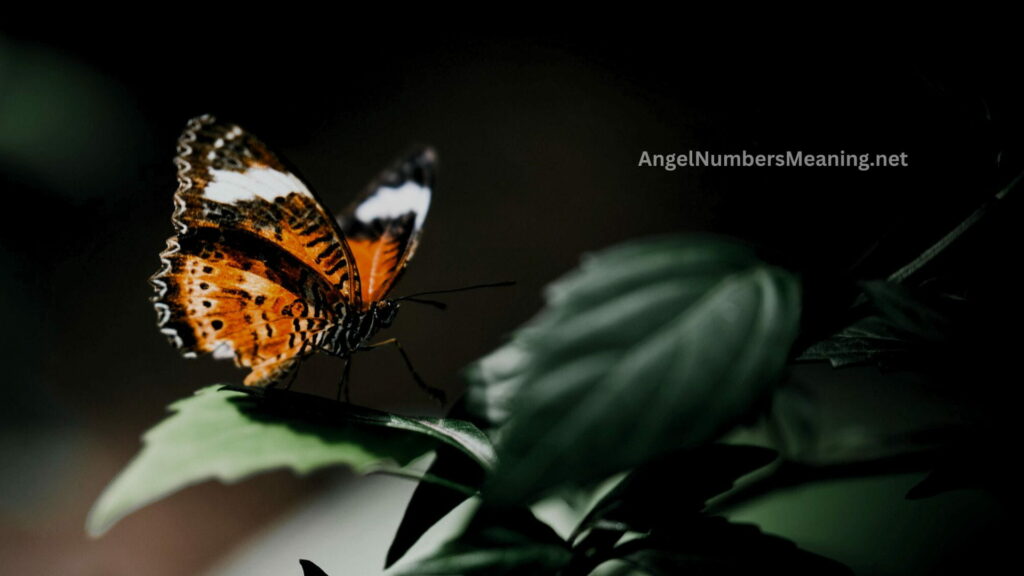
column 934, row 250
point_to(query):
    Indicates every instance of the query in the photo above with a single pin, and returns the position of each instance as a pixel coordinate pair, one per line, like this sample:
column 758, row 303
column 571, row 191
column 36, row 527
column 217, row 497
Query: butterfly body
column 260, row 272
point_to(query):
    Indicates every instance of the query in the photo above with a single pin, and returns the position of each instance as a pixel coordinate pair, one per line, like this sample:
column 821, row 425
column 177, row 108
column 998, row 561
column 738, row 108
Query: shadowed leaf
column 431, row 502
column 896, row 326
column 714, row 546
column 677, row 486
column 868, row 340
column 979, row 464
column 498, row 542
column 909, row 312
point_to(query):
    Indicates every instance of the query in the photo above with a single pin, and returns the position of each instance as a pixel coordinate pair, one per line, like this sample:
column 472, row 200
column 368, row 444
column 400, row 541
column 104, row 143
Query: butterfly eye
column 386, row 311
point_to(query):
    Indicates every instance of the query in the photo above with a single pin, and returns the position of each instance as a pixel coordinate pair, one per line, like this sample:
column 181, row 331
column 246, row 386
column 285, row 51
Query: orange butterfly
column 260, row 272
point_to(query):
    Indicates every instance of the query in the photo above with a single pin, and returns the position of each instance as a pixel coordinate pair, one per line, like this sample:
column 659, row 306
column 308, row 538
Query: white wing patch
column 390, row 203
column 224, row 350
column 229, row 187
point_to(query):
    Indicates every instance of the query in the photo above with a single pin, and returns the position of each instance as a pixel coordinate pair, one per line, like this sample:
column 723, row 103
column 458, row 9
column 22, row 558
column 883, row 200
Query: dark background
column 539, row 140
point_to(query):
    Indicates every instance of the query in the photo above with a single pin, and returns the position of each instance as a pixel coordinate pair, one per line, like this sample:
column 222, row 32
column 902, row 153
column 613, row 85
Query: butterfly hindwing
column 239, row 297
column 383, row 226
column 229, row 179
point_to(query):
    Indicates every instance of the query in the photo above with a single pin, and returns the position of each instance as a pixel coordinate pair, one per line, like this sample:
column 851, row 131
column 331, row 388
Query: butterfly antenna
column 441, row 305
column 434, row 303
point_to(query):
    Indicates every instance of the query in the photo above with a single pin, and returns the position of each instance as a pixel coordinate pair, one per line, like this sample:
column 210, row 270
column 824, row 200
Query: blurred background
column 539, row 141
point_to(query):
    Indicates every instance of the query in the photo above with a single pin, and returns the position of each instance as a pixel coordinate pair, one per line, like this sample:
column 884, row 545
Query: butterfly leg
column 298, row 364
column 294, row 375
column 435, row 393
column 343, row 385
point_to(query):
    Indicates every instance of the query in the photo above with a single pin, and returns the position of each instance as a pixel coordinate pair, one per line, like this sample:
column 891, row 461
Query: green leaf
column 456, row 433
column 431, row 502
column 868, row 340
column 910, row 311
column 648, row 347
column 499, row 542
column 661, row 492
column 712, row 546
column 230, row 434
column 897, row 325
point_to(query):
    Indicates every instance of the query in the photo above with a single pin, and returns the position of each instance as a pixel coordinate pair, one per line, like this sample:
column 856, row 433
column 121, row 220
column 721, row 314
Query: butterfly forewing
column 229, row 179
column 258, row 270
column 383, row 226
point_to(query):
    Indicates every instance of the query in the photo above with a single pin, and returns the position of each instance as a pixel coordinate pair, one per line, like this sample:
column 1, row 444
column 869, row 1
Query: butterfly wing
column 229, row 179
column 383, row 226
column 258, row 270
column 235, row 296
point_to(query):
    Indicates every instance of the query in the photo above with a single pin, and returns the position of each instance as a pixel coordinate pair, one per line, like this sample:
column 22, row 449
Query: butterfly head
column 384, row 312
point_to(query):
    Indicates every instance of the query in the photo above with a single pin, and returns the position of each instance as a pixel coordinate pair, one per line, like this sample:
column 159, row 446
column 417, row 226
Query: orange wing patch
column 379, row 264
column 255, row 305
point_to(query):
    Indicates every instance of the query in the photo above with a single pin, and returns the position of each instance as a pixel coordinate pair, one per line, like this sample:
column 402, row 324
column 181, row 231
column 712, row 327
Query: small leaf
column 657, row 494
column 431, row 502
column 310, row 569
column 649, row 347
column 713, row 546
column 458, row 434
column 499, row 542
column 228, row 435
column 868, row 340
column 909, row 312
column 897, row 325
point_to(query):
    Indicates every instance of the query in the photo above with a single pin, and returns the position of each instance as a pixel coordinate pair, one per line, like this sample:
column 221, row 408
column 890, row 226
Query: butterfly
column 258, row 270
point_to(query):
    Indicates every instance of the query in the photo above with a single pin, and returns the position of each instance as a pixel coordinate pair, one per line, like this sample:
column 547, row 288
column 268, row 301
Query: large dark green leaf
column 673, row 488
column 228, row 435
column 714, row 546
column 649, row 347
column 499, row 542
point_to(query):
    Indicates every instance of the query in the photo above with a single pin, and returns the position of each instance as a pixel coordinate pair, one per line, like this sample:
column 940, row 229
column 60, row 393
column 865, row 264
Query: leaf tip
column 311, row 569
column 99, row 520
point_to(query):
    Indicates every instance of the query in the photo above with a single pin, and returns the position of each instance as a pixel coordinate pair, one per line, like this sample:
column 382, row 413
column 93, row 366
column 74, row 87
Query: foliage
column 662, row 500
column 649, row 347
column 231, row 434
column 642, row 359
